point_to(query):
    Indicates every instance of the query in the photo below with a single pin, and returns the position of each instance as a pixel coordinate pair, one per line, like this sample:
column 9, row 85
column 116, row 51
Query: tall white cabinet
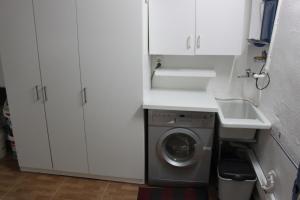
column 23, row 83
column 56, row 28
column 73, row 71
column 111, row 52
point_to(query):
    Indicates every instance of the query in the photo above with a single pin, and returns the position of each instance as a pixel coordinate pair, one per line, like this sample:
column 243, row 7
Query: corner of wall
column 2, row 83
column 146, row 58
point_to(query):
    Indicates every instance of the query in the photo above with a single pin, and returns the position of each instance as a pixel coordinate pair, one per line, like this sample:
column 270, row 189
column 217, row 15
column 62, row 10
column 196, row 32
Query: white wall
column 271, row 157
column 1, row 75
column 226, row 84
column 249, row 90
column 281, row 101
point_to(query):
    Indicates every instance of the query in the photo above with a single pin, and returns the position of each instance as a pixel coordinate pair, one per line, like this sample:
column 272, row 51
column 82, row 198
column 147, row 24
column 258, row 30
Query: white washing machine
column 179, row 147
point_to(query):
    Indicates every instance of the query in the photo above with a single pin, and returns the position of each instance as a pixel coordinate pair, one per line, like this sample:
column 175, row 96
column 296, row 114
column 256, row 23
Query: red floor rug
column 146, row 193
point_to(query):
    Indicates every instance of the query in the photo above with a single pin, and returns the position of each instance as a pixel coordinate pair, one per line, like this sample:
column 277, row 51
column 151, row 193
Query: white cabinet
column 220, row 27
column 111, row 52
column 22, row 79
column 197, row 27
column 56, row 27
column 44, row 85
column 69, row 114
column 172, row 27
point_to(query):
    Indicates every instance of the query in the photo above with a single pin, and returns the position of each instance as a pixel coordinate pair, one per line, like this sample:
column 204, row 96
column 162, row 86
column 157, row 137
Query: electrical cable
column 156, row 67
column 267, row 75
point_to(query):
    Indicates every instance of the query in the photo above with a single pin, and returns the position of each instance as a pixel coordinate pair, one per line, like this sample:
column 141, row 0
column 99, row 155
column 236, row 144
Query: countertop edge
column 180, row 108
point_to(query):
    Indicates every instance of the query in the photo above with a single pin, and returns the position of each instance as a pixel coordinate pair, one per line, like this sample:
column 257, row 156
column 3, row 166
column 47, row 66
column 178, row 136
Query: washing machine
column 179, row 147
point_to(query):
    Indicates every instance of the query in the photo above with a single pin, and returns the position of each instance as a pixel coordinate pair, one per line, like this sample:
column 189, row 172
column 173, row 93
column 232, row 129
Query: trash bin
column 236, row 179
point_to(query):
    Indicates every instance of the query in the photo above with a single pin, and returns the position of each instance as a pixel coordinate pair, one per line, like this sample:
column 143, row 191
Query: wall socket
column 155, row 60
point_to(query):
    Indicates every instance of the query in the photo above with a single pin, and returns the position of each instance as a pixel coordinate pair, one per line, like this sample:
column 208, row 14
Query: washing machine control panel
column 181, row 119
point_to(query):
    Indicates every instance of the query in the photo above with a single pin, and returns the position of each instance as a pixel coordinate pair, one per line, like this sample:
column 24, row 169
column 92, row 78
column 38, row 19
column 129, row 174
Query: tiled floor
column 16, row 185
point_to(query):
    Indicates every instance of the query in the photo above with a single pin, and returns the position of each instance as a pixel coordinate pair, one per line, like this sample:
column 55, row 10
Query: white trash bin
column 236, row 180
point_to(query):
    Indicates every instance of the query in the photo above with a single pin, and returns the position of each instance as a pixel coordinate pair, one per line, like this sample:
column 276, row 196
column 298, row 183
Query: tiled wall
column 280, row 102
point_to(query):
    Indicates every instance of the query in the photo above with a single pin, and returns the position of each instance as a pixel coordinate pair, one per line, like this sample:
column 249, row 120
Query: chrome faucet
column 247, row 75
column 250, row 74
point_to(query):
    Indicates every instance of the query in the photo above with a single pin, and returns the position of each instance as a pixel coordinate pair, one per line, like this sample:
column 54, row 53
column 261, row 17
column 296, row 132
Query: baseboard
column 90, row 176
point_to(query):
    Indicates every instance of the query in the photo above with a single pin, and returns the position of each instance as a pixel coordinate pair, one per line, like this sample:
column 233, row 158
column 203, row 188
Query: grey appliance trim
column 161, row 151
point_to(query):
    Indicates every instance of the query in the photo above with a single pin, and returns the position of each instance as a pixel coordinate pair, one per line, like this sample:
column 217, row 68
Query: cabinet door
column 22, row 78
column 220, row 27
column 58, row 49
column 172, row 27
column 111, row 52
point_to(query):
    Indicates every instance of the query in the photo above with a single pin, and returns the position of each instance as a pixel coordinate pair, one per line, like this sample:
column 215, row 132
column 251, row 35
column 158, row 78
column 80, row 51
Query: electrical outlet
column 155, row 60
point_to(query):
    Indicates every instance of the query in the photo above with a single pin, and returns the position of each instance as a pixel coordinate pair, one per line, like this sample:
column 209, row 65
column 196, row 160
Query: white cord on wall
column 232, row 71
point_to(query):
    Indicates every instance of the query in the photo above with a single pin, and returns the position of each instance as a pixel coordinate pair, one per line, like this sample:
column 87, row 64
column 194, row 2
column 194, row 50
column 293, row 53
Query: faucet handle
column 248, row 71
column 247, row 75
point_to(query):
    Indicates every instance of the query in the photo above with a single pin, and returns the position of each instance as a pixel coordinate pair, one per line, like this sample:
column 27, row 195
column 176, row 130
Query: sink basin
column 241, row 114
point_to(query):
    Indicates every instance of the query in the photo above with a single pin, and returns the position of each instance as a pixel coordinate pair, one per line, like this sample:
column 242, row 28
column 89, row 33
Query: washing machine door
column 180, row 147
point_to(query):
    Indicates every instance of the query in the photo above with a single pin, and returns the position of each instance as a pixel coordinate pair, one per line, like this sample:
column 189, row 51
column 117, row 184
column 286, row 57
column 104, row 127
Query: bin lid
column 238, row 170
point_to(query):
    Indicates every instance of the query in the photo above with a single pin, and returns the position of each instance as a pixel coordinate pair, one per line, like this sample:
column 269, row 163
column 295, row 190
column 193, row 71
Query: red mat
column 146, row 193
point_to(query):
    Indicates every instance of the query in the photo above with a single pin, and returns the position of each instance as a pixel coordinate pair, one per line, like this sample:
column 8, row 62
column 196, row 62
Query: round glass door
column 179, row 147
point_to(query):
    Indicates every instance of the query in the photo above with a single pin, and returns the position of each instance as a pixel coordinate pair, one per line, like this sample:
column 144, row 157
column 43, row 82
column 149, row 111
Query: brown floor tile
column 9, row 175
column 16, row 185
column 121, row 191
column 35, row 187
column 80, row 189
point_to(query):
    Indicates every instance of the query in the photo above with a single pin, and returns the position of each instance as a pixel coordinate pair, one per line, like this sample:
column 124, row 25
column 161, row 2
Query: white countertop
column 180, row 100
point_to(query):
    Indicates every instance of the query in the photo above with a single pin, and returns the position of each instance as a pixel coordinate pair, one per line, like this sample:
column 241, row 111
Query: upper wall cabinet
column 172, row 27
column 197, row 27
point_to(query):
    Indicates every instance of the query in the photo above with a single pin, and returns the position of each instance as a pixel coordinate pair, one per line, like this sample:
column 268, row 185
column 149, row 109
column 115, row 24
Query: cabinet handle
column 45, row 93
column 188, row 42
column 198, row 41
column 37, row 92
column 84, row 92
